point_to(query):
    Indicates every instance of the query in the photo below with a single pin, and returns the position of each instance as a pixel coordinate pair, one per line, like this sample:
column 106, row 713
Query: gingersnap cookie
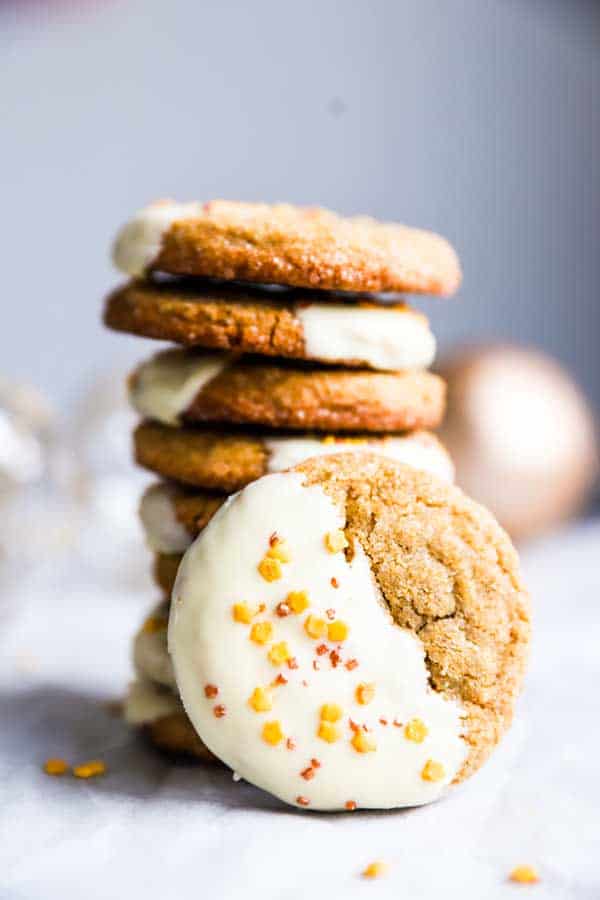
column 164, row 570
column 177, row 386
column 283, row 244
column 283, row 323
column 227, row 460
column 350, row 633
column 159, row 713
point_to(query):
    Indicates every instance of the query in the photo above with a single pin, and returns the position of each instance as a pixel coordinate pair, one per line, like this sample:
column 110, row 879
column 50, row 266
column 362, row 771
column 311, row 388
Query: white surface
column 152, row 830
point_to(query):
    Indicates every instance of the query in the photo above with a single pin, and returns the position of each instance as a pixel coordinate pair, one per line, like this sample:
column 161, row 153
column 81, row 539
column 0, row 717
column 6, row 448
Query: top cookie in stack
column 288, row 350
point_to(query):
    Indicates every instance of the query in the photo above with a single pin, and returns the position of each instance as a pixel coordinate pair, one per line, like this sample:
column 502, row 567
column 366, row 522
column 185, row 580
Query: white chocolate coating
column 146, row 702
column 139, row 241
column 150, row 657
column 164, row 387
column 164, row 534
column 209, row 648
column 384, row 338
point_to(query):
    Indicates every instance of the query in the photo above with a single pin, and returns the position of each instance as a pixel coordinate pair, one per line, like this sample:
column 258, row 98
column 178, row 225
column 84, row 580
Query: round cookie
column 274, row 323
column 359, row 628
column 227, row 460
column 164, row 571
column 281, row 244
column 161, row 716
column 177, row 387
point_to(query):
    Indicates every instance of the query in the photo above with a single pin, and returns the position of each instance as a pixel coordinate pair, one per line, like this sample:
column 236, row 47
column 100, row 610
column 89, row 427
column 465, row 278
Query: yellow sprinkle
column 432, row 771
column 259, row 700
column 335, row 541
column 153, row 624
column 280, row 550
column 315, row 627
column 364, row 693
column 279, row 653
column 261, row 632
column 241, row 612
column 272, row 733
column 374, row 870
column 297, row 601
column 337, row 631
column 270, row 569
column 331, row 712
column 328, row 732
column 416, row 730
column 362, row 742
column 55, row 767
column 89, row 769
column 524, row 875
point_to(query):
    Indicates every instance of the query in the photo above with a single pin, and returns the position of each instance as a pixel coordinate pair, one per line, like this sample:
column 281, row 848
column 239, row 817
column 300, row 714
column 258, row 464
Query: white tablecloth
column 150, row 829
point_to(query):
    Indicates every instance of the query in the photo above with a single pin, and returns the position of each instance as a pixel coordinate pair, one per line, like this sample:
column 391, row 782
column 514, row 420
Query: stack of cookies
column 292, row 342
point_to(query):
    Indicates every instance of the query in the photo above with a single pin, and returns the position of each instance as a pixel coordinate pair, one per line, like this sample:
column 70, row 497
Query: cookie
column 165, row 569
column 283, row 244
column 227, row 460
column 283, row 323
column 379, row 628
column 173, row 516
column 177, row 386
column 160, row 714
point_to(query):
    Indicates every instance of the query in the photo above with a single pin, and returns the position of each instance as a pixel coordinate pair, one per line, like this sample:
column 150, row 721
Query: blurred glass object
column 521, row 434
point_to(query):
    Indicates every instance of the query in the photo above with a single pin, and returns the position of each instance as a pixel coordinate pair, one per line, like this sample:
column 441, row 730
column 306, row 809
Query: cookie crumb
column 374, row 870
column 524, row 875
column 55, row 766
column 350, row 804
column 282, row 610
column 89, row 769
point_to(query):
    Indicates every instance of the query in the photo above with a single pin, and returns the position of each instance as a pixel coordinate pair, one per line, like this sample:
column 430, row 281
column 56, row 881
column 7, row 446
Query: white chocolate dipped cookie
column 352, row 633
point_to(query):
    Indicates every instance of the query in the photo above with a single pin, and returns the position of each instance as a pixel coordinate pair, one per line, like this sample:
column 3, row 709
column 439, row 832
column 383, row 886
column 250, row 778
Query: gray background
column 477, row 118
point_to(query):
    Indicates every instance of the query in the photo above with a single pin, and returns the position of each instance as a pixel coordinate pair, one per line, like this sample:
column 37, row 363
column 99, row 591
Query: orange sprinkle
column 353, row 725
column 416, row 731
column 335, row 541
column 335, row 658
column 321, row 649
column 219, row 711
column 331, row 712
column 364, row 693
column 274, row 537
column 315, row 627
column 316, row 665
column 383, row 720
column 335, row 583
column 308, row 773
column 55, row 766
column 210, row 691
column 302, row 801
column 315, row 763
column 270, row 569
column 282, row 610
column 374, row 870
column 350, row 804
column 330, row 613
column 291, row 744
column 261, row 632
column 281, row 679
column 398, row 723
column 351, row 664
column 432, row 771
column 524, row 875
column 292, row 662
column 272, row 733
column 89, row 769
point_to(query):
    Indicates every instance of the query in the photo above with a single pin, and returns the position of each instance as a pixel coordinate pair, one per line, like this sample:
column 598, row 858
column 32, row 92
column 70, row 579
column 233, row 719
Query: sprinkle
column 321, row 649
column 261, row 632
column 330, row 613
column 524, row 875
column 315, row 627
column 304, row 682
column 210, row 691
column 274, row 537
column 316, row 665
column 362, row 743
column 383, row 720
column 335, row 583
column 297, row 601
column 331, row 712
column 279, row 653
column 351, row 664
column 219, row 711
column 315, row 763
column 364, row 693
column 272, row 733
column 281, row 679
column 398, row 723
column 291, row 744
column 416, row 731
column 241, row 612
column 279, row 550
column 89, row 769
column 335, row 658
column 432, row 771
column 302, row 801
column 282, row 610
column 56, row 766
column 353, row 725
column 270, row 569
column 260, row 700
column 350, row 804
column 374, row 870
column 337, row 631
column 308, row 773
column 335, row 541
column 328, row 732
column 292, row 662
column 154, row 624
